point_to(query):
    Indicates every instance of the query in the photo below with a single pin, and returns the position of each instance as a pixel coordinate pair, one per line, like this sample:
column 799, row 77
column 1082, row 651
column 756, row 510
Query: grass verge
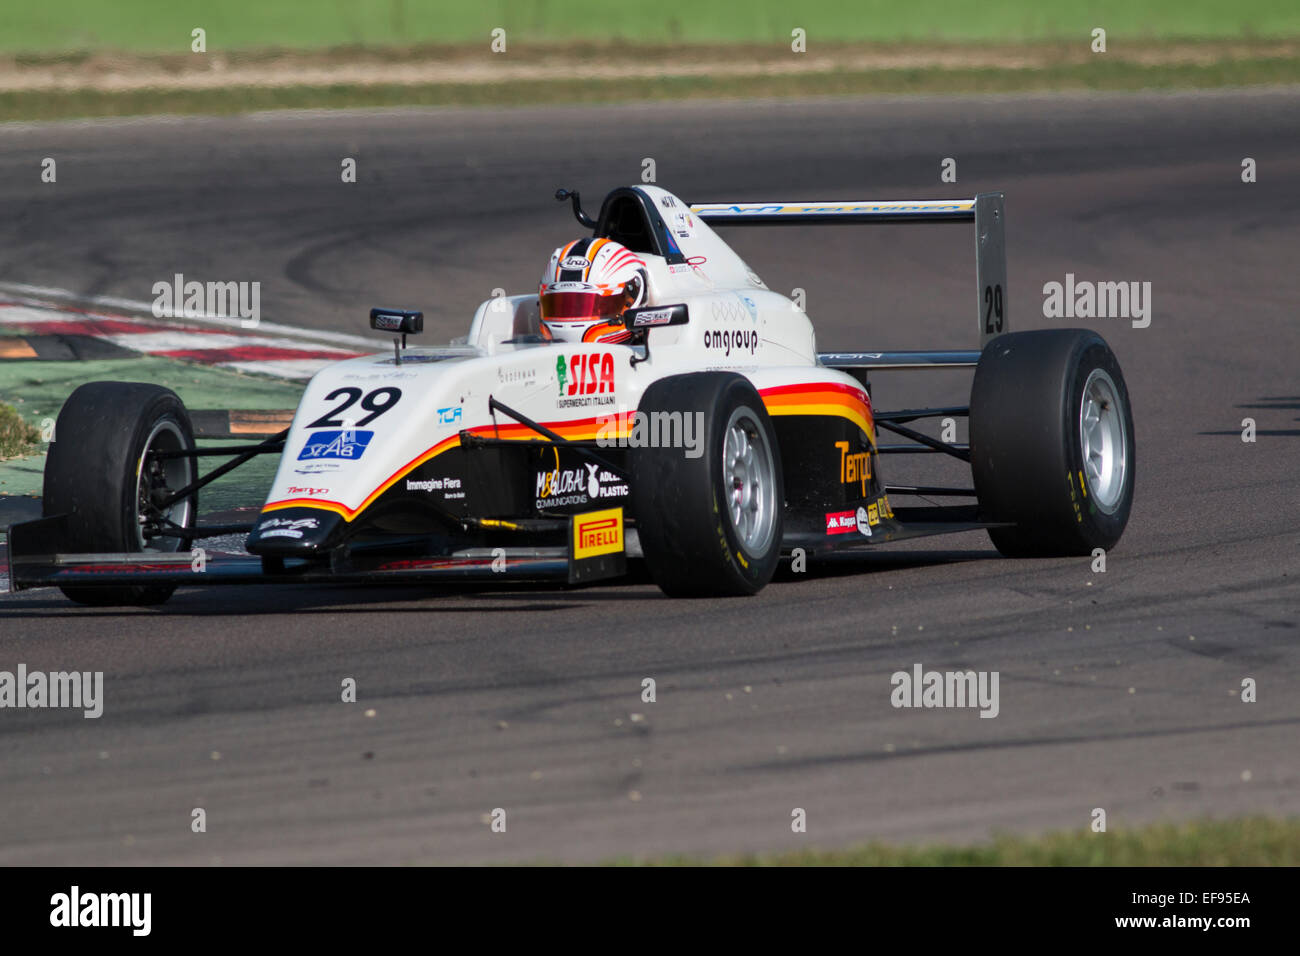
column 83, row 103
column 1245, row 841
column 306, row 24
column 37, row 391
column 17, row 438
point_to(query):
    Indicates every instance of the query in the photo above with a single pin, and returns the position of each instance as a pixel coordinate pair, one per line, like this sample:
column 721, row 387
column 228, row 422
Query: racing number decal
column 992, row 309
column 376, row 403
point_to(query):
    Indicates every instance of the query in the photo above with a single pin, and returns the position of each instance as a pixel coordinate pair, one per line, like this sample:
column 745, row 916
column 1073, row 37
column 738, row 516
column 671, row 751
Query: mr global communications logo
column 348, row 445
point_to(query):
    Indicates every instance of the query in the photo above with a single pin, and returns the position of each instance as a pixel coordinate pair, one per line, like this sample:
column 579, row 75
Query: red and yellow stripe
column 822, row 398
column 586, row 429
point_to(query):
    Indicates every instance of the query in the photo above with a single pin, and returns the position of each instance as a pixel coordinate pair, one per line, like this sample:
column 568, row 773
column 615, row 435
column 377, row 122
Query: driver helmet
column 587, row 287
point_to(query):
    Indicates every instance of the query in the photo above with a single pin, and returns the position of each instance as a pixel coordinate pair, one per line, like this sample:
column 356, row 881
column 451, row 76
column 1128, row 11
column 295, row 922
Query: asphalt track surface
column 1118, row 690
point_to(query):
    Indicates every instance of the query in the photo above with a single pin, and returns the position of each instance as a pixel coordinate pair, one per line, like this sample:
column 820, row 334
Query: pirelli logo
column 598, row 532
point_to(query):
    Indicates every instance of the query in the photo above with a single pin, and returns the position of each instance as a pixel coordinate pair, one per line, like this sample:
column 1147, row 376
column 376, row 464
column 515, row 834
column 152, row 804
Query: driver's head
column 587, row 286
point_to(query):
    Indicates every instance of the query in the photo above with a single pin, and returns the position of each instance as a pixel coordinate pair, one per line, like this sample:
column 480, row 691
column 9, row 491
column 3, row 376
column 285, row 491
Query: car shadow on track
column 263, row 600
column 1267, row 403
column 877, row 562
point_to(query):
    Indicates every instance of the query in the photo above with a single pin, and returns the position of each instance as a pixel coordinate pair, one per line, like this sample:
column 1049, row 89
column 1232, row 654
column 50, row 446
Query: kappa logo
column 841, row 522
column 348, row 445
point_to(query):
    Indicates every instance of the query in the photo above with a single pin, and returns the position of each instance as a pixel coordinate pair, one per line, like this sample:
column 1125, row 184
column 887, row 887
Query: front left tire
column 710, row 526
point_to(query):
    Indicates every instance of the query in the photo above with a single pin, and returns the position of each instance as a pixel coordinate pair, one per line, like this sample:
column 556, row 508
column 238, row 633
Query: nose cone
column 300, row 532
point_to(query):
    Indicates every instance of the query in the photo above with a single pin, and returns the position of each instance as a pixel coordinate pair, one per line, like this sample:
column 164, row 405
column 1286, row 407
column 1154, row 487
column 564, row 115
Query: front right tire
column 98, row 473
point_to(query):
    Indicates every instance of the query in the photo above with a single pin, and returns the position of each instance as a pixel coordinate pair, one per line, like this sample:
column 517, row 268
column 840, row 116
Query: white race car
column 653, row 400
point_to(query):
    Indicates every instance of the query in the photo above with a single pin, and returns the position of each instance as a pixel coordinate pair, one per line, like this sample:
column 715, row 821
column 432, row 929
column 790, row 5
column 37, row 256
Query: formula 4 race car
column 710, row 442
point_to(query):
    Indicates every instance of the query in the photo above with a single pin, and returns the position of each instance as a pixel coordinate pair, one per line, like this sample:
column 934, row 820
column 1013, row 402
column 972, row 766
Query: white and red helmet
column 587, row 287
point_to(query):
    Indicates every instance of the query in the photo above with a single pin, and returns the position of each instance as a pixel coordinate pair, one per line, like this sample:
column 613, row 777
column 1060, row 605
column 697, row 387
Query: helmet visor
column 581, row 305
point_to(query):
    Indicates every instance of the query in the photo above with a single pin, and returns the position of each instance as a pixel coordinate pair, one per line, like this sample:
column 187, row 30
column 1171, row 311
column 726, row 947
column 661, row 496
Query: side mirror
column 397, row 321
column 653, row 316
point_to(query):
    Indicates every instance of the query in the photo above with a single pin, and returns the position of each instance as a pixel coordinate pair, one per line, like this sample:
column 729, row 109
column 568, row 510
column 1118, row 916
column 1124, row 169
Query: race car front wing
column 596, row 549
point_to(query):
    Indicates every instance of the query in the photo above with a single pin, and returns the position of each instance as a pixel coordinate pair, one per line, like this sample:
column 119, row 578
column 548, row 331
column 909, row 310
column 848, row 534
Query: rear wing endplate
column 985, row 210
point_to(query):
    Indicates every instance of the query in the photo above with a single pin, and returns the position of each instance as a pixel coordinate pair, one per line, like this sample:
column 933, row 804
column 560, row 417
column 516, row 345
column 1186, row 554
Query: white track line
column 155, row 342
column 222, row 321
column 297, row 369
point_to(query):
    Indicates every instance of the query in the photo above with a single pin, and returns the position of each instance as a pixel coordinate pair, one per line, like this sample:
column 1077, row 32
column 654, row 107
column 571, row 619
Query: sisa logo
column 588, row 374
column 855, row 467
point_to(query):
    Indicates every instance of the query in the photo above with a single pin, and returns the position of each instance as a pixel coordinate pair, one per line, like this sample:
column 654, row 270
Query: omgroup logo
column 348, row 445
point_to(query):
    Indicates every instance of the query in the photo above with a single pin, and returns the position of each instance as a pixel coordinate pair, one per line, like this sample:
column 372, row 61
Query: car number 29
column 376, row 403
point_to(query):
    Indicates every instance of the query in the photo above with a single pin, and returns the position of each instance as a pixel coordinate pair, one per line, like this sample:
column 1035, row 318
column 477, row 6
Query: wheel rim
column 1103, row 441
column 154, row 478
column 750, row 476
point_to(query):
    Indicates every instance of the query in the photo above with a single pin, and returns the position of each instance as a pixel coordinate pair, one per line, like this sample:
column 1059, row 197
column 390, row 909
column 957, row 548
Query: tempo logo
column 75, row 909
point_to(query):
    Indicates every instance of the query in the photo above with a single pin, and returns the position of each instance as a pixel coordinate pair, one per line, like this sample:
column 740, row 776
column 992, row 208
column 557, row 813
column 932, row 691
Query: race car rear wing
column 985, row 210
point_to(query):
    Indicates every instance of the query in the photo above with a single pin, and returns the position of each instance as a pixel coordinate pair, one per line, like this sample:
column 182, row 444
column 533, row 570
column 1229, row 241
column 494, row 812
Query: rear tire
column 1052, row 443
column 710, row 526
column 94, row 475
